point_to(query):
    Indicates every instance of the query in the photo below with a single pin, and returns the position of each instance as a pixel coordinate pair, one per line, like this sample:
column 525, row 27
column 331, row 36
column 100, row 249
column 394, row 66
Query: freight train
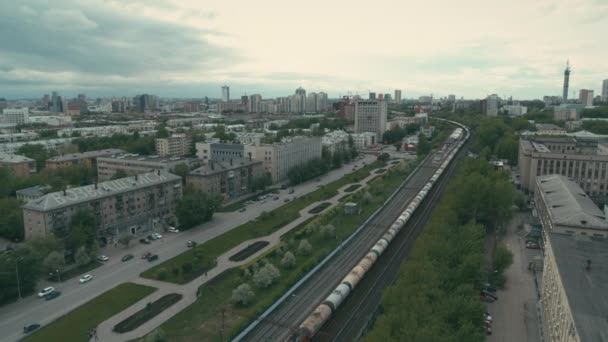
column 313, row 323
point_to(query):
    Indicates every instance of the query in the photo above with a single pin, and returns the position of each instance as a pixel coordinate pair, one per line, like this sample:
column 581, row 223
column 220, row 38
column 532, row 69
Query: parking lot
column 515, row 312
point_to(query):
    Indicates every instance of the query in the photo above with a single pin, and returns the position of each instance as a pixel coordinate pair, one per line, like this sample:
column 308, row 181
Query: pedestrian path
column 189, row 290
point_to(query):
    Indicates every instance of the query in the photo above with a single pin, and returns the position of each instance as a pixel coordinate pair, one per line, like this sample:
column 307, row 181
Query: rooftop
column 219, row 167
column 585, row 289
column 146, row 158
column 568, row 204
column 83, row 155
column 34, row 190
column 60, row 199
column 546, row 127
column 14, row 158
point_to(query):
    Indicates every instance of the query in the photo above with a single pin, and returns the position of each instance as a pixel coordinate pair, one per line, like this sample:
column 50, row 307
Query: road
column 13, row 317
column 283, row 321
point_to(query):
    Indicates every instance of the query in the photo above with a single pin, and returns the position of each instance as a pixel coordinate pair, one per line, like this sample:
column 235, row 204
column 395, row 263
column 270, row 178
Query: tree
column 36, row 152
column 424, row 147
column 54, row 261
column 501, row 258
column 304, row 248
column 182, row 170
column 243, row 294
column 288, row 260
column 157, row 335
column 11, row 220
column 266, row 275
column 120, row 173
column 196, row 207
column 328, row 231
column 82, row 257
column 83, row 231
column 125, row 239
column 29, row 265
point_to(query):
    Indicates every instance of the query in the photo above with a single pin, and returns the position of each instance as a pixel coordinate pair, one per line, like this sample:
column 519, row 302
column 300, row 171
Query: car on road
column 103, row 258
column 263, row 201
column 157, row 236
column 52, row 295
column 45, row 291
column 248, row 203
column 153, row 257
column 29, row 328
column 127, row 257
column 532, row 245
column 190, row 244
column 487, row 299
column 173, row 230
column 286, row 200
column 85, row 278
column 146, row 255
column 284, row 186
column 275, row 198
column 243, row 209
column 291, row 191
column 489, row 294
column 144, row 241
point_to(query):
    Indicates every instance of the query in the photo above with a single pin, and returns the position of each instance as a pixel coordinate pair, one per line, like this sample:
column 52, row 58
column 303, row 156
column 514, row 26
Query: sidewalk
column 189, row 290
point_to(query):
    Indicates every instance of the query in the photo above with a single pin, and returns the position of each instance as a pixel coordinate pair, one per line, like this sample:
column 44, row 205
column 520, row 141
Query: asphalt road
column 283, row 321
column 13, row 317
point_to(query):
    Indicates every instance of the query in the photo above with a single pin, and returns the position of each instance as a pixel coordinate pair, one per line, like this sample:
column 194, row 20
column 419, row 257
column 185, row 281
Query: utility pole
column 18, row 281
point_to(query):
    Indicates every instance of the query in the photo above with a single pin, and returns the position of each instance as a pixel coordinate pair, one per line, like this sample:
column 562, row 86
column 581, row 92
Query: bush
column 289, row 260
column 328, row 231
column 266, row 275
column 187, row 267
column 304, row 248
column 243, row 294
column 162, row 274
column 501, row 258
column 82, row 257
column 175, row 271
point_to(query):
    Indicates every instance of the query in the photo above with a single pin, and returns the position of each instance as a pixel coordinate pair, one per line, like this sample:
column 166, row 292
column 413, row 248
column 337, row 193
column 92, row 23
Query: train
column 315, row 320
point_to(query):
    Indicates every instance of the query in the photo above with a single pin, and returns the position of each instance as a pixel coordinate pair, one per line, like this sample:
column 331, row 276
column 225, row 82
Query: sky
column 190, row 48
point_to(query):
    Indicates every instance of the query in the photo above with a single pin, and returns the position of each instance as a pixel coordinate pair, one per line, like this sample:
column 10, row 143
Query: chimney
column 588, row 267
column 230, row 161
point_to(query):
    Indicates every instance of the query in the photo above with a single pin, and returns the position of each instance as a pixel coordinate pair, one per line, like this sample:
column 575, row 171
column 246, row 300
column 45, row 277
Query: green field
column 202, row 257
column 75, row 325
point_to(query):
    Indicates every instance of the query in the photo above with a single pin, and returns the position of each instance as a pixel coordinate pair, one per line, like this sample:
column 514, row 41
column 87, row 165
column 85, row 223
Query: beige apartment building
column 175, row 145
column 85, row 158
column 370, row 116
column 129, row 205
column 585, row 160
column 133, row 164
column 19, row 165
column 229, row 179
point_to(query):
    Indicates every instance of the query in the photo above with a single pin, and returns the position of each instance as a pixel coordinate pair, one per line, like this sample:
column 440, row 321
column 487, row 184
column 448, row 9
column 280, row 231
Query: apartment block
column 17, row 116
column 133, row 164
column 19, row 165
column 219, row 151
column 176, row 145
column 370, row 116
column 98, row 131
column 129, row 205
column 229, row 179
column 88, row 159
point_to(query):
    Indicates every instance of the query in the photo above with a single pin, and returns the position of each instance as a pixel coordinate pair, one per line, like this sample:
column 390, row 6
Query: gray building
column 219, row 151
column 32, row 193
column 133, row 164
column 88, row 159
column 124, row 206
column 370, row 116
column 226, row 178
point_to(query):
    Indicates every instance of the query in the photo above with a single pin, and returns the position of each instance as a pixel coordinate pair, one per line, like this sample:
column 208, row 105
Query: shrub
column 243, row 294
column 304, row 248
column 162, row 274
column 289, row 260
column 187, row 267
column 266, row 275
column 175, row 271
column 328, row 231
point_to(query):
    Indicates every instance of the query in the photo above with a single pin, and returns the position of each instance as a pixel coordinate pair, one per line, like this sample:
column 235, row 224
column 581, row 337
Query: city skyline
column 107, row 51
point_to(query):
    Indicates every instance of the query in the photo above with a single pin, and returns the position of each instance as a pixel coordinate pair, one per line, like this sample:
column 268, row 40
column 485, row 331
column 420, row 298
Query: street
column 13, row 317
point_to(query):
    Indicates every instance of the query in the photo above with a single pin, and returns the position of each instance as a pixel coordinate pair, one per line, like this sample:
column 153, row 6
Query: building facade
column 489, row 106
column 20, row 166
column 175, row 145
column 397, row 98
column 585, row 97
column 370, row 116
column 88, row 159
column 225, row 93
column 605, row 90
column 228, row 179
column 219, row 151
column 98, row 131
column 133, row 164
column 129, row 205
column 17, row 116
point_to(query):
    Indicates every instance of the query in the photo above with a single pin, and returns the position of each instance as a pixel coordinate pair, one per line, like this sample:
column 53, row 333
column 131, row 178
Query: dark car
column 52, row 295
column 284, row 186
column 191, row 243
column 489, row 294
column 29, row 328
column 291, row 191
column 144, row 241
column 486, row 299
column 146, row 255
column 153, row 257
column 243, row 209
column 127, row 257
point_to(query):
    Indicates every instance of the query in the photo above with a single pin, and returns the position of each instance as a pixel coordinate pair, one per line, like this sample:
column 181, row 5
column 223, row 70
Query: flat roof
column 146, row 158
column 34, row 190
column 89, row 154
column 60, row 199
column 14, row 158
column 585, row 289
column 568, row 204
column 222, row 166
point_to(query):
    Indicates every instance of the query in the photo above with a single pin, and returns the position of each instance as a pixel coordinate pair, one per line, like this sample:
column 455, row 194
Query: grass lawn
column 147, row 313
column 202, row 257
column 75, row 325
column 202, row 320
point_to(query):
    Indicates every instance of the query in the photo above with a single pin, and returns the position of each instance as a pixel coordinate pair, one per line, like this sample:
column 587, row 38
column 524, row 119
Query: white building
column 17, row 116
column 489, row 106
column 49, row 145
column 97, row 131
column 334, row 139
column 515, row 110
column 175, row 145
column 585, row 97
column 397, row 99
column 370, row 116
column 364, row 140
column 281, row 157
column 225, row 93
column 52, row 120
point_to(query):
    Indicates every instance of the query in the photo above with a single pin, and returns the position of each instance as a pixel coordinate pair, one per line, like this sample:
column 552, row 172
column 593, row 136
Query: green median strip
column 150, row 311
column 75, row 325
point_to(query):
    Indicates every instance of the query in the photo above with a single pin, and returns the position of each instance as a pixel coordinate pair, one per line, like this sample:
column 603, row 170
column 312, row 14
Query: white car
column 46, row 291
column 103, row 258
column 157, row 236
column 85, row 278
column 173, row 230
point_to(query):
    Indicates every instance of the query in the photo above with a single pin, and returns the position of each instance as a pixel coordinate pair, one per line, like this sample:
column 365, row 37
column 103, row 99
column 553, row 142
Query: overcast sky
column 189, row 48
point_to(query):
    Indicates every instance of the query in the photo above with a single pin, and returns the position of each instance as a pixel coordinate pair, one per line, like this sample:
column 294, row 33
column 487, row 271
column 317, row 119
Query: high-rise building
column 372, row 96
column 585, row 97
column 301, row 91
column 254, row 103
column 451, row 98
column 46, row 99
column 56, row 104
column 370, row 116
column 489, row 106
column 566, row 81
column 17, row 116
column 145, row 102
column 245, row 101
column 397, row 96
column 387, row 98
column 225, row 93
column 311, row 103
column 605, row 90
column 321, row 102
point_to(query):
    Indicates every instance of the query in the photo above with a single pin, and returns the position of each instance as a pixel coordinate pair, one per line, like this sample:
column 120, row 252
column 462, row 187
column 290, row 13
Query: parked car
column 275, row 198
column 173, row 230
column 284, row 186
column 29, row 328
column 242, row 209
column 144, row 241
column 127, row 257
column 85, row 278
column 286, row 200
column 45, row 291
column 146, row 255
column 153, row 257
column 485, row 298
column 150, row 238
column 291, row 191
column 157, row 236
column 489, row 294
column 488, row 287
column 191, row 244
column 52, row 295
column 103, row 258
column 532, row 245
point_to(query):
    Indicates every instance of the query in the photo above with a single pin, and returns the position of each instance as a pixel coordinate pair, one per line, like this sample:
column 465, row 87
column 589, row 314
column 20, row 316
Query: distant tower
column 566, row 80
column 225, row 93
